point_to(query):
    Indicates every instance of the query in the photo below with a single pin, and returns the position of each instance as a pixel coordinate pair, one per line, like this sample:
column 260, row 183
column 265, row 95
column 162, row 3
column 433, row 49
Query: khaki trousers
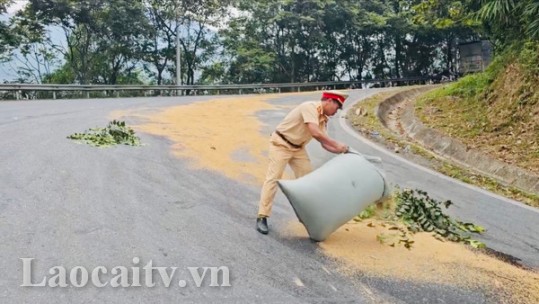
column 280, row 155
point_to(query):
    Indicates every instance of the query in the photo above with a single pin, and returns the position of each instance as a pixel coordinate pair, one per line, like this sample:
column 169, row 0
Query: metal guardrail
column 30, row 91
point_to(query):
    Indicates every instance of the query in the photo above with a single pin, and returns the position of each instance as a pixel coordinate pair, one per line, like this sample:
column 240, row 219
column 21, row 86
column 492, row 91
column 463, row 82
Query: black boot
column 262, row 225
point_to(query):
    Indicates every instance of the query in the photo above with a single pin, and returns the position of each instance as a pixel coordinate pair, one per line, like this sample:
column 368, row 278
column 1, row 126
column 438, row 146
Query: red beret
column 341, row 97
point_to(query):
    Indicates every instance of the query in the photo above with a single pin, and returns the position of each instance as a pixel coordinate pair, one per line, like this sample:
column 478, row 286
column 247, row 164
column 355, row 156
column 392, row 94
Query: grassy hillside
column 496, row 111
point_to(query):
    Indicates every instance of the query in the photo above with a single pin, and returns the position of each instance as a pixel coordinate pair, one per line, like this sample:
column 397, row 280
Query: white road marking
column 326, row 270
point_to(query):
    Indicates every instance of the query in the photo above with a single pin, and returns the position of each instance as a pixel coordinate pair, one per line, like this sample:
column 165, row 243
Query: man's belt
column 287, row 141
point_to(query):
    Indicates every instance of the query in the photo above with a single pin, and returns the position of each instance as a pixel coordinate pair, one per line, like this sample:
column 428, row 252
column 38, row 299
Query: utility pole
column 178, row 51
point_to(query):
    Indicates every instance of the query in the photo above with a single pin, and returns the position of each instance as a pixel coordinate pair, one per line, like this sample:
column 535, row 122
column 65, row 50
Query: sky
column 16, row 6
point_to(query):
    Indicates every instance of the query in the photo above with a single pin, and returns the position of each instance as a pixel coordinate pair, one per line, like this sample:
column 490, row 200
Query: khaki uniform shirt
column 294, row 125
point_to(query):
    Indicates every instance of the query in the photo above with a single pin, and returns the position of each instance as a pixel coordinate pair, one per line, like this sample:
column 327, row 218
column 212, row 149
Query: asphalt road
column 72, row 205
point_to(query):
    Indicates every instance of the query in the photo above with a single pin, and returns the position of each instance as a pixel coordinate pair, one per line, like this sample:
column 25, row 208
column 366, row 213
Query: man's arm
column 326, row 142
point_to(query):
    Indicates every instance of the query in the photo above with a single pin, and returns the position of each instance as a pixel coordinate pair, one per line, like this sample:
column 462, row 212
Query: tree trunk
column 449, row 54
column 398, row 50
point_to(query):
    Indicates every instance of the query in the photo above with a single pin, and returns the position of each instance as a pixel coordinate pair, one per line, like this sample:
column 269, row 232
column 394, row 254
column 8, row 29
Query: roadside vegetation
column 363, row 119
column 496, row 111
column 115, row 133
column 410, row 211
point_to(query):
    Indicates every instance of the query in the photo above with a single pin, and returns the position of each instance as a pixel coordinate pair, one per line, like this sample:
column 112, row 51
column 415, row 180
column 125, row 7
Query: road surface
column 72, row 205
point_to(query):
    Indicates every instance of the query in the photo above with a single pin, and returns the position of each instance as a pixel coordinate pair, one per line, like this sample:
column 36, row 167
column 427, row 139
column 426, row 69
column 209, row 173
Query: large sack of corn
column 333, row 194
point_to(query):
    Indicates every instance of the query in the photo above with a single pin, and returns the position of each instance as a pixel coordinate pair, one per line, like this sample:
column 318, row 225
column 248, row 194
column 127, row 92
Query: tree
column 198, row 39
column 452, row 19
column 103, row 37
column 509, row 21
column 64, row 74
column 37, row 60
column 159, row 48
column 245, row 57
column 121, row 26
column 267, row 41
column 8, row 41
column 278, row 41
column 36, row 55
column 195, row 20
column 356, row 26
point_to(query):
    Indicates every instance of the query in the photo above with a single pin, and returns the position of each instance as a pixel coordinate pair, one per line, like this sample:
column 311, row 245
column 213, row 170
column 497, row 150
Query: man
column 287, row 146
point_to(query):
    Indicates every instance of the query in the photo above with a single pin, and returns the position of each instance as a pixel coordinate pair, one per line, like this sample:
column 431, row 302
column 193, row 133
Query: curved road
column 72, row 205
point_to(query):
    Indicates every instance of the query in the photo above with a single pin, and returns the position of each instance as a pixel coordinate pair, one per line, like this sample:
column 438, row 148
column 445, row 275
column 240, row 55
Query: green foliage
column 469, row 86
column 369, row 212
column 103, row 37
column 475, row 87
column 8, row 39
column 445, row 14
column 313, row 40
column 529, row 61
column 61, row 75
column 213, row 73
column 115, row 133
column 266, row 41
column 422, row 213
column 510, row 20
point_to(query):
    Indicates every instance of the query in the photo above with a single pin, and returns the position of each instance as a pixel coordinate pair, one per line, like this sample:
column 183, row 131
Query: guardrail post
column 53, row 94
column 240, row 91
column 88, row 94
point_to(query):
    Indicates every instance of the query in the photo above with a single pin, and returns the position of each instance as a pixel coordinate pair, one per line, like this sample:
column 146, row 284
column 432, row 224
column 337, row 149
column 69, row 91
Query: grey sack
column 333, row 194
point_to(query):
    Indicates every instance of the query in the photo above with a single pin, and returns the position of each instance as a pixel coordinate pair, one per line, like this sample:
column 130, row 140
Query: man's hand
column 343, row 148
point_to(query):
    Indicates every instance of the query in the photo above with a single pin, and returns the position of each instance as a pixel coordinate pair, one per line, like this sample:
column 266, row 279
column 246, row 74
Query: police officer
column 287, row 146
